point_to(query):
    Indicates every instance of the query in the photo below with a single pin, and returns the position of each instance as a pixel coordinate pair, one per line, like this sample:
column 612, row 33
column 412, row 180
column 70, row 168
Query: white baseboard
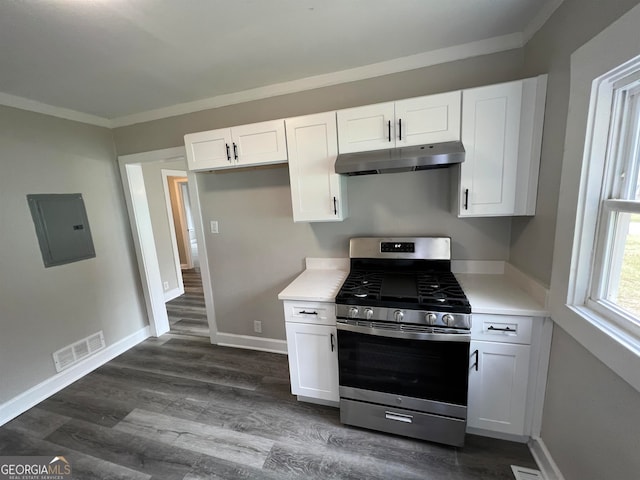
column 500, row 436
column 251, row 343
column 542, row 456
column 317, row 401
column 24, row 401
column 173, row 293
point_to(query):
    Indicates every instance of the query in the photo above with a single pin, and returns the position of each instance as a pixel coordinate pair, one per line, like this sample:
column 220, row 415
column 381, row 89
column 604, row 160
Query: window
column 614, row 291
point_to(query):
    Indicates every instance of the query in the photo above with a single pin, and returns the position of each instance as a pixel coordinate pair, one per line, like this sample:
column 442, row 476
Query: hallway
column 187, row 313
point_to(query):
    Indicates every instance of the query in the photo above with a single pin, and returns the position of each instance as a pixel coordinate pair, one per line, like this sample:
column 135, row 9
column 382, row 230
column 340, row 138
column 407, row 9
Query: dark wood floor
column 187, row 313
column 177, row 407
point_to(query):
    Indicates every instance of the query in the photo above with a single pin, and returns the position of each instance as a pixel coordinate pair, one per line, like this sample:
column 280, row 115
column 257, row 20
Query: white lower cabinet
column 498, row 382
column 313, row 350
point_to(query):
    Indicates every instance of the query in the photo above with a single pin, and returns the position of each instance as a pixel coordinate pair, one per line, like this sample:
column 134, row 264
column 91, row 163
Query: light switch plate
column 214, row 226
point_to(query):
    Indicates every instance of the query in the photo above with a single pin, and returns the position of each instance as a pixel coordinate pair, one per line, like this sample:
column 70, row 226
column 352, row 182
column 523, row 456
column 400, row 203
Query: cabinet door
column 259, row 143
column 371, row 127
column 498, row 386
column 209, row 150
column 490, row 134
column 430, row 119
column 316, row 190
column 313, row 360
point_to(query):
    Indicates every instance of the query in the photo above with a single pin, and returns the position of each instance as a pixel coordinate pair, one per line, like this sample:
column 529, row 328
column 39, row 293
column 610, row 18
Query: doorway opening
column 158, row 265
column 186, row 312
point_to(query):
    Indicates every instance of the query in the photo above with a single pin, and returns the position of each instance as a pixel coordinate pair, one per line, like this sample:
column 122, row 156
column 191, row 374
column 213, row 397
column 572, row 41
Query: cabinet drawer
column 501, row 328
column 310, row 312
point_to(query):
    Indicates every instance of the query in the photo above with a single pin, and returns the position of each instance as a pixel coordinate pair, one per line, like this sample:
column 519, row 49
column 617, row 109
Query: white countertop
column 494, row 293
column 320, row 282
column 499, row 295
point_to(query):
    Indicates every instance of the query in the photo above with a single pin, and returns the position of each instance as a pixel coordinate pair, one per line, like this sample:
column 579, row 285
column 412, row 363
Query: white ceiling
column 121, row 61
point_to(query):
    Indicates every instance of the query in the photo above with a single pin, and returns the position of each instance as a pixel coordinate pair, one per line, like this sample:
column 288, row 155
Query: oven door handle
column 381, row 332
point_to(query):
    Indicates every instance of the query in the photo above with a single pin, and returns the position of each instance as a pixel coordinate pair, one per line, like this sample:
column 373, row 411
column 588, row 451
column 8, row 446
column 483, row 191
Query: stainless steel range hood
column 404, row 159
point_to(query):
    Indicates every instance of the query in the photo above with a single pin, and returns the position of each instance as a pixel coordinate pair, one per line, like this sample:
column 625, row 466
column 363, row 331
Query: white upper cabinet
column 414, row 121
column 242, row 146
column 318, row 194
column 371, row 127
column 430, row 119
column 209, row 150
column 502, row 135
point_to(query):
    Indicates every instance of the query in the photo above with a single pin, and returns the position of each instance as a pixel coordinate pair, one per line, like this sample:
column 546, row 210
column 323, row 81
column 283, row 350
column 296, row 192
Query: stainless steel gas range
column 404, row 328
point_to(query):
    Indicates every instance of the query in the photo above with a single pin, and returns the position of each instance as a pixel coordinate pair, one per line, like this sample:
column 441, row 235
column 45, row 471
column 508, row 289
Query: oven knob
column 353, row 312
column 368, row 313
column 398, row 315
column 448, row 319
column 430, row 318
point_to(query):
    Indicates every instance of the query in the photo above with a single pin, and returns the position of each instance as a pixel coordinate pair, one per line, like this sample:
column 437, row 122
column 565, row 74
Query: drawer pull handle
column 505, row 329
column 304, row 312
column 398, row 417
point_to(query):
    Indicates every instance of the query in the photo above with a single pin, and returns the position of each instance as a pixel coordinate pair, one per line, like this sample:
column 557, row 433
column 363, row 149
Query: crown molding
column 39, row 107
column 402, row 64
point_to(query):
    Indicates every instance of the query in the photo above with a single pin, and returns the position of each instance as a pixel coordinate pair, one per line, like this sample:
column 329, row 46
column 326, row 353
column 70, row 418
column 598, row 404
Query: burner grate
column 363, row 284
column 441, row 288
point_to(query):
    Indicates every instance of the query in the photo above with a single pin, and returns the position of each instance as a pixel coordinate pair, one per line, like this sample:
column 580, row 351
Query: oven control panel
column 396, row 247
column 396, row 315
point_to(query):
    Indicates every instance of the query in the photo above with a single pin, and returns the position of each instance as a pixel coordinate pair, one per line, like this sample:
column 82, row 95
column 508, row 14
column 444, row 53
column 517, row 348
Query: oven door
column 428, row 373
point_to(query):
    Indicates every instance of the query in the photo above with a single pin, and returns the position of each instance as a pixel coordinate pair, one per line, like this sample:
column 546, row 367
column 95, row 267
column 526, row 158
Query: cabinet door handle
column 505, row 329
column 389, row 127
column 399, row 129
column 332, row 344
column 466, row 199
column 475, row 364
column 228, row 154
column 304, row 312
column 335, row 206
column 235, row 151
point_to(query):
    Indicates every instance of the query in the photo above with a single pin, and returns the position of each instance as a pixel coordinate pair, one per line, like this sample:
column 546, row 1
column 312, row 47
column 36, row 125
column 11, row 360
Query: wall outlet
column 166, row 286
column 214, row 226
column 257, row 326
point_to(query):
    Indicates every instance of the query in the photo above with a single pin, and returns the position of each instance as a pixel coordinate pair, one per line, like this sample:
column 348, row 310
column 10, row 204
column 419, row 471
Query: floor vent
column 72, row 354
column 522, row 473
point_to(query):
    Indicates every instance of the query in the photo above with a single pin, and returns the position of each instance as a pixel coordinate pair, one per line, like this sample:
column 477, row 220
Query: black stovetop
column 409, row 285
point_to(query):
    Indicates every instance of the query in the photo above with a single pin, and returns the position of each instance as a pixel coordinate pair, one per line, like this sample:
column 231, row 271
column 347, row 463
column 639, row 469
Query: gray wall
column 260, row 249
column 591, row 419
column 153, row 184
column 573, row 24
column 45, row 309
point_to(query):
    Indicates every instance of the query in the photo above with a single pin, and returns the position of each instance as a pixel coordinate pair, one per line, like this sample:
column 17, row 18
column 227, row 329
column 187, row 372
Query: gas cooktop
column 403, row 280
column 430, row 290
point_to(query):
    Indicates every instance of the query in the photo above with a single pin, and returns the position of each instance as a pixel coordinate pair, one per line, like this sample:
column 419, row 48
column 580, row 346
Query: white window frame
column 595, row 67
column 618, row 182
